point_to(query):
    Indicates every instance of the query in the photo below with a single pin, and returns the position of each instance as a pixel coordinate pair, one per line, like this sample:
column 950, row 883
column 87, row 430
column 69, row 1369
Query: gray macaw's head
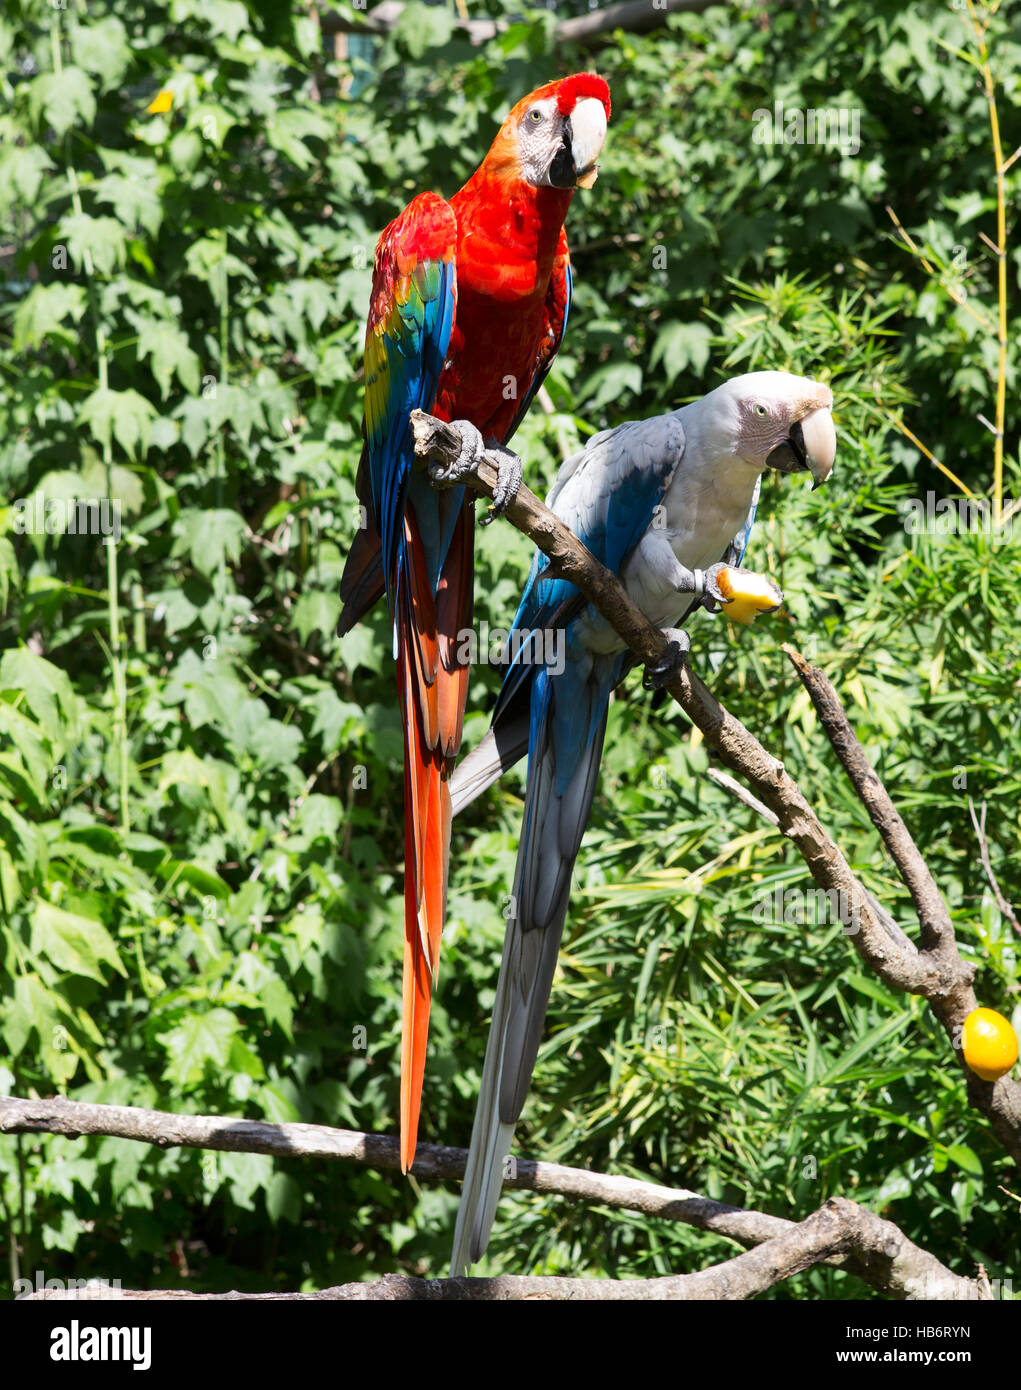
column 778, row 420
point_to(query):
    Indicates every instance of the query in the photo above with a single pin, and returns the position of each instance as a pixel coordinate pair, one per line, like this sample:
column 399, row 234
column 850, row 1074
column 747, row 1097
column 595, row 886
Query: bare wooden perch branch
column 635, row 16
column 838, row 1230
column 839, row 1233
column 74, row 1119
column 936, row 970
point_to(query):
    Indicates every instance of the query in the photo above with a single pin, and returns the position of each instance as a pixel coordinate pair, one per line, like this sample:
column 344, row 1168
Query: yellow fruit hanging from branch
column 990, row 1044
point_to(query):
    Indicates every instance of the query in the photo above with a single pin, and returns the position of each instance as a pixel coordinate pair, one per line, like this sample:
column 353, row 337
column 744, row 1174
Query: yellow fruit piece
column 160, row 103
column 990, row 1044
column 747, row 594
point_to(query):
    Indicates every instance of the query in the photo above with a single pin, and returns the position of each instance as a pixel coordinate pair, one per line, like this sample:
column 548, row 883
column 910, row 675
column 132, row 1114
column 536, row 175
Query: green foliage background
column 200, row 786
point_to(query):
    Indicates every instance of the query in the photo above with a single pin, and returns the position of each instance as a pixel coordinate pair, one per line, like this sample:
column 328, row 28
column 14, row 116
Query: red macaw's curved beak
column 574, row 164
column 811, row 446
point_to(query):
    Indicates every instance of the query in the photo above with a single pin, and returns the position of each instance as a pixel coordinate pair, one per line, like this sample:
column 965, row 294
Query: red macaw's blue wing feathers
column 411, row 315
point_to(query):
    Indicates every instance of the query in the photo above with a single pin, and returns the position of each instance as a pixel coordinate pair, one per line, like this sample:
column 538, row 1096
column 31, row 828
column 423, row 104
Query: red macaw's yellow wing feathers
column 432, row 683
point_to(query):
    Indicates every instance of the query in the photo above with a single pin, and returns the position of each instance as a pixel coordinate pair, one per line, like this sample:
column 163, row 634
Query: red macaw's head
column 554, row 136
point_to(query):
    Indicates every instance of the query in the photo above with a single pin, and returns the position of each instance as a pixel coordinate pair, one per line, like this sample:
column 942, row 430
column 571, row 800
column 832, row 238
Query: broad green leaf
column 682, row 346
column 246, row 1174
column 48, row 310
column 267, row 740
column 62, row 99
column 611, row 382
column 34, row 1007
column 201, row 1039
column 227, row 17
column 22, row 170
column 79, row 945
column 422, row 27
column 209, row 691
column 316, row 611
column 122, row 415
column 336, row 720
column 283, row 1199
column 319, row 817
column 288, row 129
column 101, row 46
column 167, row 347
column 135, row 201
column 210, row 537
column 965, row 1158
column 10, row 573
column 47, row 689
column 31, row 760
column 100, row 239
column 209, row 259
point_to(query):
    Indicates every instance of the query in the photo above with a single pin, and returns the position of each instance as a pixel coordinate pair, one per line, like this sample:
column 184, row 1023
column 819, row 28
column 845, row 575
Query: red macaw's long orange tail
column 433, row 687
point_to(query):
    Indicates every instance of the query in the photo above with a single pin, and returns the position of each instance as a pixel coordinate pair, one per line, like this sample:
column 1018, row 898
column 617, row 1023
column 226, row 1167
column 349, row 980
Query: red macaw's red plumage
column 469, row 304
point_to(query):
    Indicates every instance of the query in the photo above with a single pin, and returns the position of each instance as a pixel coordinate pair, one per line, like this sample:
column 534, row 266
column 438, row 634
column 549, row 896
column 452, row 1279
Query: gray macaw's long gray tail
column 500, row 749
column 552, row 830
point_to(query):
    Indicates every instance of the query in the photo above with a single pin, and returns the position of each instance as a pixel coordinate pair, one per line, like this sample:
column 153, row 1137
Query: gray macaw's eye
column 761, row 410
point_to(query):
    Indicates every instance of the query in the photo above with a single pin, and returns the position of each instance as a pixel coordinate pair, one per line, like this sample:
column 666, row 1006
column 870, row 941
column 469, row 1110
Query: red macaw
column 470, row 299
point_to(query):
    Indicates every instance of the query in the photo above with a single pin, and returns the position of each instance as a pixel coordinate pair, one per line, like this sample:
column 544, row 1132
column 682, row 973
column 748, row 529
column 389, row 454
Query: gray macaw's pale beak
column 811, row 446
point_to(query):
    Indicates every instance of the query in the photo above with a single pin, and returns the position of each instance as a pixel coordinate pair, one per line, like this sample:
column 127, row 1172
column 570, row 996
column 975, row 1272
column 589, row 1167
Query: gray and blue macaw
column 658, row 502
